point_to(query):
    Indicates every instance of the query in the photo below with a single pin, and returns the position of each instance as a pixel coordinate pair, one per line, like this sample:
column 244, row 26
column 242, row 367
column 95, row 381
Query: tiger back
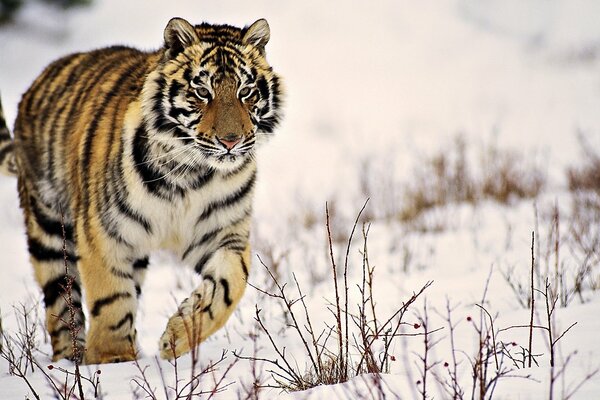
column 120, row 152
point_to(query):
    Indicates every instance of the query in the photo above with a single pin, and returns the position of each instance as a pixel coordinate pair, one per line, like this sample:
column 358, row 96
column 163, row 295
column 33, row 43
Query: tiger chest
column 196, row 223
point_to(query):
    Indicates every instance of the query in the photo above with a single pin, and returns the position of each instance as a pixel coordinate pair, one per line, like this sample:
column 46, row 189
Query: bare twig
column 532, row 298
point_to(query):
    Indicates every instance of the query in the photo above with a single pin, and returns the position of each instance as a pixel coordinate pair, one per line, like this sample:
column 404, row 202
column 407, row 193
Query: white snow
column 388, row 81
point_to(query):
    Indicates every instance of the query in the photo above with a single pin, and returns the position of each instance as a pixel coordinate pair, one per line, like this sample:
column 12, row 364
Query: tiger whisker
column 195, row 158
column 167, row 139
column 185, row 164
column 177, row 152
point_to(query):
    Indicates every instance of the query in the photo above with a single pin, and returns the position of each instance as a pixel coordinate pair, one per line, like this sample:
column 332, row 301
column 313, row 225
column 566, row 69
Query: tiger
column 120, row 152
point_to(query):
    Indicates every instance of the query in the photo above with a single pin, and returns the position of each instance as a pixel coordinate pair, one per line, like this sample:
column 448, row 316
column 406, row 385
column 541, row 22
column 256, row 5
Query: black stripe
column 65, row 311
column 111, row 230
column 43, row 253
column 200, row 264
column 141, row 263
column 203, row 239
column 69, row 119
column 8, row 149
column 116, row 189
column 236, row 249
column 46, row 79
column 275, row 92
column 211, row 279
column 138, row 290
column 54, row 289
column 59, row 331
column 121, row 274
column 244, row 266
column 203, row 179
column 208, row 56
column 174, row 90
column 176, row 112
column 263, row 89
column 62, row 349
column 228, row 201
column 49, row 225
column 91, row 131
column 226, row 297
column 105, row 301
column 195, row 122
column 3, row 126
column 152, row 178
column 128, row 212
column 268, row 124
column 211, row 235
column 107, row 219
column 187, row 74
column 127, row 318
column 208, row 310
column 160, row 123
column 233, row 240
column 129, row 338
column 93, row 126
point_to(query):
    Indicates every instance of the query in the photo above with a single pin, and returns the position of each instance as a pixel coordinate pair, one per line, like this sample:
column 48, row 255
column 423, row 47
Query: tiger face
column 213, row 94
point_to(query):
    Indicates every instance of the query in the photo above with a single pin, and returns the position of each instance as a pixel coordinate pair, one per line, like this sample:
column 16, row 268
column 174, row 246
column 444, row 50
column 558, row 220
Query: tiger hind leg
column 210, row 305
column 56, row 272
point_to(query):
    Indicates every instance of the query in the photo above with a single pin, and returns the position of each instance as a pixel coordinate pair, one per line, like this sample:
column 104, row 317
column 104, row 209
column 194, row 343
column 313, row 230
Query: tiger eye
column 203, row 93
column 245, row 91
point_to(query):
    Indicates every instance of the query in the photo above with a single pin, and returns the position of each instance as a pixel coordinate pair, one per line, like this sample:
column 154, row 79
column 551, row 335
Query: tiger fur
column 133, row 151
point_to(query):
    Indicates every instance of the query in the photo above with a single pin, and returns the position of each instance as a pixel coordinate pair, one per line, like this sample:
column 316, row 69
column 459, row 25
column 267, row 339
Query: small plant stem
column 549, row 312
column 74, row 329
column 532, row 299
column 346, row 334
column 337, row 293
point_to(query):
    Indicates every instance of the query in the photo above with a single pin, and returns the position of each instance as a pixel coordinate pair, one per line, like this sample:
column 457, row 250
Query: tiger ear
column 257, row 34
column 179, row 34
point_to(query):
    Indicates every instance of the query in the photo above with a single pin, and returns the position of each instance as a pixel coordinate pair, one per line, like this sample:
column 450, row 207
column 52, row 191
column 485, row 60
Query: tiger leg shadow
column 209, row 306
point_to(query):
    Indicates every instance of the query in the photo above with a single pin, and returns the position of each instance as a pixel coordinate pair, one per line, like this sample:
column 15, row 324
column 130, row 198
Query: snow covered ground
column 386, row 83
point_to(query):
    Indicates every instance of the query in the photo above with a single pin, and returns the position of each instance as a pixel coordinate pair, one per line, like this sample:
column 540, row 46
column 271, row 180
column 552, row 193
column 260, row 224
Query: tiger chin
column 120, row 152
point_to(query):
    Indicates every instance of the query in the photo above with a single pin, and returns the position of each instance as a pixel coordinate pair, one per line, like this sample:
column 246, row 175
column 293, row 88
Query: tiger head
column 213, row 92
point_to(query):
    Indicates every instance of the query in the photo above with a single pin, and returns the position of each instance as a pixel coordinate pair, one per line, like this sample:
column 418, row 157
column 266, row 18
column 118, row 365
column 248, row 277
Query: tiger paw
column 100, row 357
column 178, row 337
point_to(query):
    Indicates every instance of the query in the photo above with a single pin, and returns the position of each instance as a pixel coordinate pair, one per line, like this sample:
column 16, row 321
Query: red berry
column 446, row 364
column 514, row 343
column 416, row 326
column 469, row 318
column 418, row 382
column 393, row 358
column 50, row 366
column 98, row 372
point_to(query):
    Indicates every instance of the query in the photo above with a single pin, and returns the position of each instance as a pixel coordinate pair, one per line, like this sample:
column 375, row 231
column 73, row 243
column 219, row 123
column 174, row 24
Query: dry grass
column 354, row 341
column 584, row 223
column 456, row 174
column 586, row 176
column 20, row 350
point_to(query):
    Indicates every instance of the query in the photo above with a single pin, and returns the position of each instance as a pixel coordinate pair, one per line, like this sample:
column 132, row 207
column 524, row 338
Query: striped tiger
column 120, row 152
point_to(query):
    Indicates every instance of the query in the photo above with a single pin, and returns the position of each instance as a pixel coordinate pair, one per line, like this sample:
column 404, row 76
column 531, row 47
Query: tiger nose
column 230, row 140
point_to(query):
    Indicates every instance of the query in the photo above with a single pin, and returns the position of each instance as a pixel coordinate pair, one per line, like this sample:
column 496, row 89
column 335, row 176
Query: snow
column 390, row 82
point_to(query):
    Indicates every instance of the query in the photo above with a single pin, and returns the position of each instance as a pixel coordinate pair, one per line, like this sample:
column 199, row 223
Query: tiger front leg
column 111, row 296
column 210, row 305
